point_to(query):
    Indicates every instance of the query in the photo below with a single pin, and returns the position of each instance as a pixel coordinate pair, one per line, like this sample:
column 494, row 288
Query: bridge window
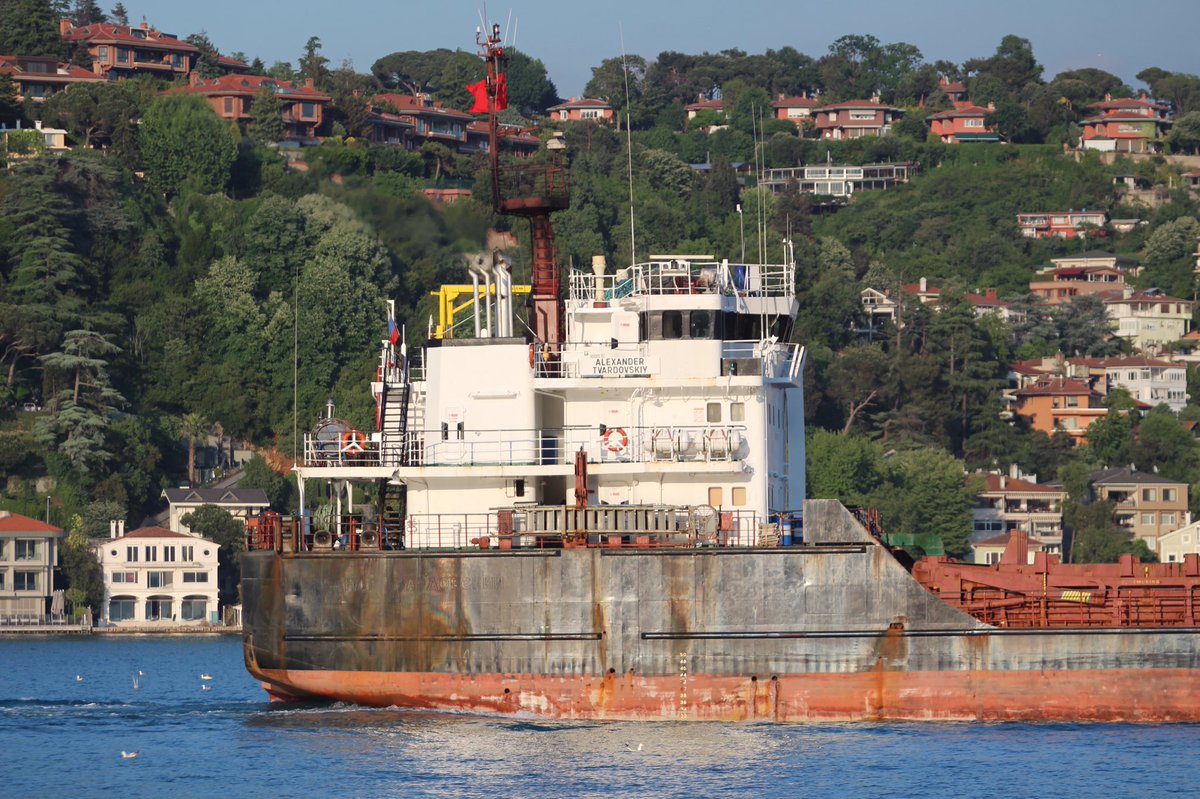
column 701, row 324
column 672, row 324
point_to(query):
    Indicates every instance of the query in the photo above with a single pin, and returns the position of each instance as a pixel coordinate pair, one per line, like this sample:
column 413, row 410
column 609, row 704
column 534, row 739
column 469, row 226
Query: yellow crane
column 449, row 306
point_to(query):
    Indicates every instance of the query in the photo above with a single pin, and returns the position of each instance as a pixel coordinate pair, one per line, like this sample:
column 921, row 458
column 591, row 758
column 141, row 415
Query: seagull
column 78, row 678
column 141, row 673
column 205, row 687
column 631, row 749
column 128, row 755
column 206, row 676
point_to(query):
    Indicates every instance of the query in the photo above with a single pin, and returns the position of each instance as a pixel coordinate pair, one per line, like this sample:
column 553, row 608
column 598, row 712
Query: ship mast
column 533, row 192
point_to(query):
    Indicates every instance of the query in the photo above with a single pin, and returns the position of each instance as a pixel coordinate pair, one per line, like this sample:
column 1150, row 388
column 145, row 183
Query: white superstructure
column 675, row 380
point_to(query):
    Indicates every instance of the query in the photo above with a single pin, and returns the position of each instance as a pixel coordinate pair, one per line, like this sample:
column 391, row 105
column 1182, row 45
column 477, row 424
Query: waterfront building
column 28, row 558
column 158, row 576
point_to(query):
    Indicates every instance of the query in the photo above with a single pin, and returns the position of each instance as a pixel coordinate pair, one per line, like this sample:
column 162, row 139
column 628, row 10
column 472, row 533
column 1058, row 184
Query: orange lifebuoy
column 532, row 356
column 615, row 440
column 353, row 443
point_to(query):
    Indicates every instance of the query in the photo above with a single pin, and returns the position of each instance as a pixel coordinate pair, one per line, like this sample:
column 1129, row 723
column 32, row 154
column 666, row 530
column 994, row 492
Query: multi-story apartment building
column 123, row 51
column 1127, row 125
column 582, row 109
column 1064, row 224
column 963, row 124
column 839, row 180
column 1056, row 285
column 1148, row 380
column 1148, row 505
column 1054, row 403
column 38, row 78
column 1150, row 319
column 856, row 118
column 28, row 557
column 158, row 576
column 431, row 120
column 1009, row 502
column 798, row 110
column 232, row 97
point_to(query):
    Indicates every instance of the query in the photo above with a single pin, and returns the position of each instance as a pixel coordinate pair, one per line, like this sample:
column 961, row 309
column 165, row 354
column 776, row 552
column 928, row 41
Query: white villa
column 157, row 576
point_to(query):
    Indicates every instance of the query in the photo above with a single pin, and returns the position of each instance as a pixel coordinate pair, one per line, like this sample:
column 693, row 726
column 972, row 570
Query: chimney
column 116, row 528
column 64, row 27
column 924, row 285
column 991, row 106
column 990, row 294
column 1107, row 97
column 308, row 83
column 1003, row 482
column 194, row 78
column 1013, row 471
column 144, row 25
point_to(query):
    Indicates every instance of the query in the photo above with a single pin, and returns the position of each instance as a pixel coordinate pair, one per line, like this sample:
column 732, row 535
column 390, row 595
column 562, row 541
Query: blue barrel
column 785, row 532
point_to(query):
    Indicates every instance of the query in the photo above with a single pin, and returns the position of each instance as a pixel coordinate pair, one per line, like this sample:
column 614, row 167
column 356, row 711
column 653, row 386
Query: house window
column 229, row 105
column 26, row 550
column 1147, row 518
column 188, row 553
column 158, row 608
column 151, row 554
column 102, row 53
column 1169, row 494
column 124, row 577
column 308, row 110
column 973, row 123
column 860, row 116
column 1149, row 495
column 714, row 412
column 1168, row 518
column 169, row 554
column 737, row 411
column 25, row 581
column 177, row 59
column 589, row 113
column 121, row 608
column 193, row 608
column 158, row 579
column 1, row 581
column 715, row 495
column 195, row 577
column 738, row 498
column 131, row 554
column 1072, row 402
column 993, row 558
column 1, row 552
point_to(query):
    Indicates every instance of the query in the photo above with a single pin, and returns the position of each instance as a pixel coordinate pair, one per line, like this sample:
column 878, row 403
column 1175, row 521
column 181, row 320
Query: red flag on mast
column 480, row 93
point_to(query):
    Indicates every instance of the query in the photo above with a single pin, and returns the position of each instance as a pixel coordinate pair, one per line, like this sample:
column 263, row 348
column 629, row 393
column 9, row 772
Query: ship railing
column 683, row 277
column 512, row 447
column 603, row 526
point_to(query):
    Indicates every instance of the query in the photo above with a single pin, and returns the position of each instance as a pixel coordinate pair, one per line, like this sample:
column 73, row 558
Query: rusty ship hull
column 835, row 630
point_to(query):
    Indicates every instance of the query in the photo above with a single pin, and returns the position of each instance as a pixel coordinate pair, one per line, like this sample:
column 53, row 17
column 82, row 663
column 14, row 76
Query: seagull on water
column 631, row 749
column 141, row 673
column 205, row 687
column 128, row 755
column 206, row 676
column 78, row 678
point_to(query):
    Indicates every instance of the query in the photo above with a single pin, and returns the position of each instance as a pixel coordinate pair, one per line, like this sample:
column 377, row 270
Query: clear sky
column 572, row 36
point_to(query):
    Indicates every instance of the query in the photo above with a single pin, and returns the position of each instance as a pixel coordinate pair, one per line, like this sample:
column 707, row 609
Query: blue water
column 61, row 737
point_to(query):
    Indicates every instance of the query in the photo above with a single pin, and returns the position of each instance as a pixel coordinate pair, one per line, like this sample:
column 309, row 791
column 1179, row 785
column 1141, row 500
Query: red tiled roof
column 957, row 86
column 965, row 111
column 1147, row 296
column 915, row 288
column 156, row 532
column 983, row 299
column 102, row 33
column 1117, row 363
column 584, row 103
column 11, row 65
column 1055, row 385
column 714, row 105
column 1002, row 541
column 16, row 523
column 1014, row 484
column 858, row 104
column 252, row 84
column 795, row 102
column 1128, row 102
column 408, row 104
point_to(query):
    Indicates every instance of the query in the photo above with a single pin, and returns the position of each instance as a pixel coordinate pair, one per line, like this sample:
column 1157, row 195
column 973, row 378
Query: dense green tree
column 186, row 145
column 1013, row 64
column 924, row 493
column 10, row 107
column 530, row 89
column 82, row 409
column 29, row 27
column 313, row 65
column 217, row 525
column 844, row 467
column 857, row 381
column 266, row 118
column 84, row 576
column 87, row 12
column 119, row 15
column 207, row 64
column 193, row 428
column 100, row 115
column 258, row 474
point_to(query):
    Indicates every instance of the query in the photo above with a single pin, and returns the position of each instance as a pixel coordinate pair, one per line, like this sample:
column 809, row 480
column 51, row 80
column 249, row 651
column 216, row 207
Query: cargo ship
column 604, row 517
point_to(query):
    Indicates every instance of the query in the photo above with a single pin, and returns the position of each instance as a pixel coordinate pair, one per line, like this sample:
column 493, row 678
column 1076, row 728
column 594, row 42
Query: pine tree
column 119, row 15
column 266, row 118
column 29, row 27
column 87, row 12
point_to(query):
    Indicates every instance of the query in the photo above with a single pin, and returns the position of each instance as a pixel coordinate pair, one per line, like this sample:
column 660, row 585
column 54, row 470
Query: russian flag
column 393, row 331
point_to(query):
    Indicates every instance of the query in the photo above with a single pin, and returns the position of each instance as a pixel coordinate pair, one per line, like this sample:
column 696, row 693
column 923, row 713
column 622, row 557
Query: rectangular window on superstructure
column 738, row 496
column 672, row 325
column 737, row 411
column 715, row 496
column 713, row 412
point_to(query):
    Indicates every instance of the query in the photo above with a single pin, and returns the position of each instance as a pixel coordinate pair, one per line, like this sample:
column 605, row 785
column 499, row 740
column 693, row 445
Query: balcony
column 683, row 277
